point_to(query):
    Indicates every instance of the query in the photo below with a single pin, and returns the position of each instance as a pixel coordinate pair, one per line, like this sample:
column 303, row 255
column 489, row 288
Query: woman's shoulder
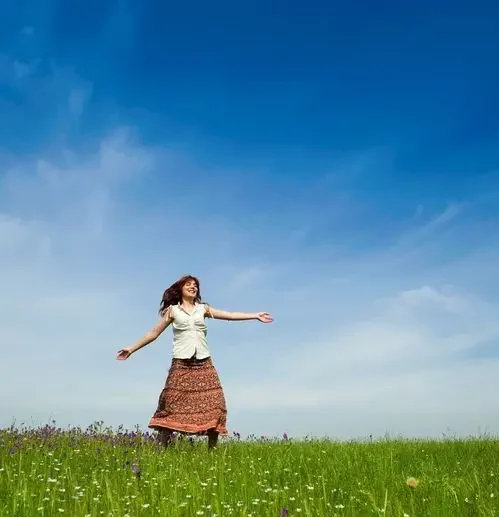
column 169, row 312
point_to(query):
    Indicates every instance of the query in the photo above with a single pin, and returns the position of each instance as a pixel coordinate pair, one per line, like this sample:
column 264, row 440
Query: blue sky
column 333, row 164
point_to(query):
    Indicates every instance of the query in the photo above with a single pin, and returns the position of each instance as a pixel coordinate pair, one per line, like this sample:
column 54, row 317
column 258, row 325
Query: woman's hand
column 124, row 353
column 264, row 317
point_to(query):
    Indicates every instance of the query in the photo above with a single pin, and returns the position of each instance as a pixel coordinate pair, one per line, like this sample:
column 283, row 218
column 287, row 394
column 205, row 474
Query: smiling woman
column 192, row 401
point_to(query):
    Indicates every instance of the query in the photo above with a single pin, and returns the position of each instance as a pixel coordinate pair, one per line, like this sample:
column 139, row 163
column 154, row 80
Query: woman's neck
column 188, row 303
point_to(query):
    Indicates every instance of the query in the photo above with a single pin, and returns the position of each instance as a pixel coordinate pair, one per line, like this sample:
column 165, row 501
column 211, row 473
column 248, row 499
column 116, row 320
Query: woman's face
column 189, row 290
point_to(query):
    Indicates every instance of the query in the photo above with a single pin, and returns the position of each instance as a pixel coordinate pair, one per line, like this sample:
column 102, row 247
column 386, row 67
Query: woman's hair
column 173, row 295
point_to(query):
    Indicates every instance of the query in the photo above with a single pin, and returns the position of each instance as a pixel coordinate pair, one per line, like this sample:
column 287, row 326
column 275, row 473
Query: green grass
column 77, row 474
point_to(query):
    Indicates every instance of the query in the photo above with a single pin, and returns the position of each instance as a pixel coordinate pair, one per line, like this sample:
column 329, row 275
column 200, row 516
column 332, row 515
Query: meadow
column 97, row 472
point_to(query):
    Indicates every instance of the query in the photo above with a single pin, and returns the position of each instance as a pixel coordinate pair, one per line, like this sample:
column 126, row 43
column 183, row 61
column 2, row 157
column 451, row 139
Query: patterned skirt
column 192, row 400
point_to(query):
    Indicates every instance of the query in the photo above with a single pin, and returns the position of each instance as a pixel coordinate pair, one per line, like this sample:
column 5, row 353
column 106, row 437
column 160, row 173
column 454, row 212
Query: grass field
column 97, row 472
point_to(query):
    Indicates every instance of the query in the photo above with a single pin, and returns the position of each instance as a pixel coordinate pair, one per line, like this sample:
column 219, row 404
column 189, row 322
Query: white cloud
column 78, row 97
column 17, row 237
column 413, row 366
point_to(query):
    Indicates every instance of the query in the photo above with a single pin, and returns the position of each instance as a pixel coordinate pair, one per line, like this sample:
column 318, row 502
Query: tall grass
column 96, row 472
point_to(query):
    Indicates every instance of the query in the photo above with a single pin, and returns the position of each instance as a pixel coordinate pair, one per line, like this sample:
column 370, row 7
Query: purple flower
column 136, row 470
column 284, row 512
column 285, row 436
column 13, row 450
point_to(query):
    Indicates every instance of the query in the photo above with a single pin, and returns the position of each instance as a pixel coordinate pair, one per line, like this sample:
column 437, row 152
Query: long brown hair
column 173, row 295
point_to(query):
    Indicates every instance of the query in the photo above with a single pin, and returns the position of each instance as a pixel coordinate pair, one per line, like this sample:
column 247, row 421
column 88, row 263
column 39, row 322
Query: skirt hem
column 163, row 423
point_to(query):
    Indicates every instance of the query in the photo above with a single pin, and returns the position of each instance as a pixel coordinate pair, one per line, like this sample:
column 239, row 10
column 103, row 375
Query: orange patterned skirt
column 192, row 400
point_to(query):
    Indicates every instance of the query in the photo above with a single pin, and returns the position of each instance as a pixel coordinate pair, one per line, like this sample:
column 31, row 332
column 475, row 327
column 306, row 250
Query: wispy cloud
column 78, row 97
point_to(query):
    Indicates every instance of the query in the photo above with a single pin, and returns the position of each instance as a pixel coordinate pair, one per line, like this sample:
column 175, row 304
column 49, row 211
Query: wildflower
column 412, row 482
column 136, row 470
column 285, row 436
column 284, row 512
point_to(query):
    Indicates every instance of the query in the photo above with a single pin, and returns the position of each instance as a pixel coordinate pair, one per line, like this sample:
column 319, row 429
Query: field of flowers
column 103, row 472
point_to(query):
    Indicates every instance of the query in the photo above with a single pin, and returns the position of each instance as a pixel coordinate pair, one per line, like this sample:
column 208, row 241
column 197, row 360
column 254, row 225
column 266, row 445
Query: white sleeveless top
column 189, row 332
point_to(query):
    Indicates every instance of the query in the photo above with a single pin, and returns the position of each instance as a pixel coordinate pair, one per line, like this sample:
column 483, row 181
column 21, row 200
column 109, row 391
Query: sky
column 335, row 164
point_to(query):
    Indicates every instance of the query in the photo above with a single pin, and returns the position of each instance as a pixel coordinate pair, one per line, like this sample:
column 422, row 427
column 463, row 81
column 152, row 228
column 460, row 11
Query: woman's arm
column 264, row 317
column 151, row 336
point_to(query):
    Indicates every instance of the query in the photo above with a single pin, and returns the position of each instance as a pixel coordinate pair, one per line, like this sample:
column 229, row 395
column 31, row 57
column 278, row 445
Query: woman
column 192, row 401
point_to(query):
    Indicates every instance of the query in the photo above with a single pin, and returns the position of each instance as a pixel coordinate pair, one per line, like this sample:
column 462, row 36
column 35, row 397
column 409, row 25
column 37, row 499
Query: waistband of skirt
column 191, row 360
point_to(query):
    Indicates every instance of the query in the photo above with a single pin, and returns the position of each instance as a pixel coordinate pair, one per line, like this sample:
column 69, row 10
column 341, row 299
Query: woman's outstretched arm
column 151, row 336
column 264, row 317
